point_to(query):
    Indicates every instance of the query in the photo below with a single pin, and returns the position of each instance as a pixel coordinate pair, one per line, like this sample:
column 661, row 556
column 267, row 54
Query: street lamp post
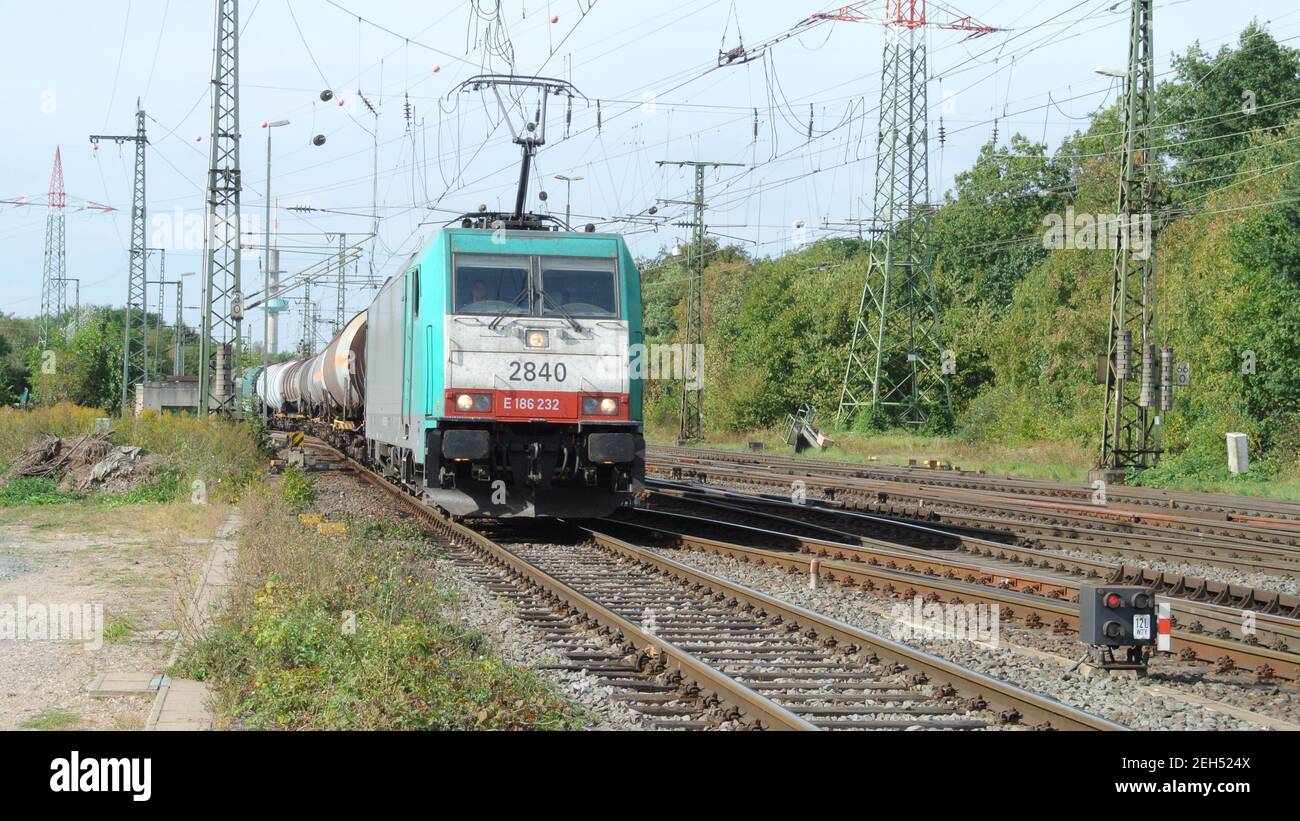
column 568, row 195
column 272, row 272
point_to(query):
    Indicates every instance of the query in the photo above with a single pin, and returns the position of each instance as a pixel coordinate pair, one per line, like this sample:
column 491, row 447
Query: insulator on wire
column 568, row 117
column 810, row 121
column 943, row 135
column 1147, row 391
column 1166, row 379
column 599, row 119
column 1124, row 355
column 756, row 125
column 995, row 132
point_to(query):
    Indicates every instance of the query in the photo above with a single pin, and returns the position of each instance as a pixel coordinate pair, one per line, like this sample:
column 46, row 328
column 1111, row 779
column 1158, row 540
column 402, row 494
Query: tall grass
column 224, row 454
column 352, row 632
column 20, row 428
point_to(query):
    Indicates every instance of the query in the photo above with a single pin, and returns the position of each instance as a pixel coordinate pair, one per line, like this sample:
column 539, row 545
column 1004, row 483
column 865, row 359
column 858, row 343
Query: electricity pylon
column 135, row 327
column 897, row 366
column 692, row 423
column 222, row 301
column 54, row 273
column 1129, row 436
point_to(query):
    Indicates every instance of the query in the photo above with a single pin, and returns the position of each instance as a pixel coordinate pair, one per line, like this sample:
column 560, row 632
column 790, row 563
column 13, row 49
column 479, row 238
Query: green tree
column 85, row 370
column 1209, row 111
column 986, row 234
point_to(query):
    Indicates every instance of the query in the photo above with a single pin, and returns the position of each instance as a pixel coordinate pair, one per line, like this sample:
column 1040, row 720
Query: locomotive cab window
column 583, row 287
column 491, row 284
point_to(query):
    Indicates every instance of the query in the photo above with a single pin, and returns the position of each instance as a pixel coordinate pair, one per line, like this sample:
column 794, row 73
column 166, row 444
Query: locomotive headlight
column 477, row 402
column 599, row 406
column 537, row 339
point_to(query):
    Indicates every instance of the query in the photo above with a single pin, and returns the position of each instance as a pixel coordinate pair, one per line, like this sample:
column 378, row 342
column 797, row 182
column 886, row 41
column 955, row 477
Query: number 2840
column 532, row 372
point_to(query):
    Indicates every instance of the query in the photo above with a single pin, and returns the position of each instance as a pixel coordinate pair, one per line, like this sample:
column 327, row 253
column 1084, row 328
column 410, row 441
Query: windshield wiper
column 508, row 311
column 562, row 312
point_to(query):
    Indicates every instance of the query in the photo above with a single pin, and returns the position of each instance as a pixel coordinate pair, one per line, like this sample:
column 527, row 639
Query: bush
column 297, row 488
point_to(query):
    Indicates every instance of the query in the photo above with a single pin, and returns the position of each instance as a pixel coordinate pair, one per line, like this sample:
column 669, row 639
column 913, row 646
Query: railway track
column 1204, row 631
column 932, row 540
column 729, row 653
column 1244, row 548
column 1273, row 512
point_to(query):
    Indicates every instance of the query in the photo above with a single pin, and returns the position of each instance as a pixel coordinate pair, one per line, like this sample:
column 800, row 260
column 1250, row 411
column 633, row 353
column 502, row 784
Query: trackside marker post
column 1164, row 624
column 815, row 574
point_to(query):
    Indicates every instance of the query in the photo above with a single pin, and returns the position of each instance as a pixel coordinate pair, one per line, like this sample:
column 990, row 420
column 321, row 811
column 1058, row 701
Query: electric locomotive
column 492, row 375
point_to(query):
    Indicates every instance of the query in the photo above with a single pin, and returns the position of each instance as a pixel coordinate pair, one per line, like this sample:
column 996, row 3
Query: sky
column 652, row 90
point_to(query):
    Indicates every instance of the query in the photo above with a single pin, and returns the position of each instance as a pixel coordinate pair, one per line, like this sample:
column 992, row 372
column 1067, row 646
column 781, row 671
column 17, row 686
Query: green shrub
column 297, row 488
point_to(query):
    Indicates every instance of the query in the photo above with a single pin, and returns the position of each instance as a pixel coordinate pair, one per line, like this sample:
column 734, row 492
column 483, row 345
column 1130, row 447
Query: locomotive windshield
column 578, row 287
column 564, row 286
column 492, row 285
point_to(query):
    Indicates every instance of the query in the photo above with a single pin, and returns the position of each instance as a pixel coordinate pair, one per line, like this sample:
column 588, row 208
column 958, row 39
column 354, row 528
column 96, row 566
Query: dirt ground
column 139, row 562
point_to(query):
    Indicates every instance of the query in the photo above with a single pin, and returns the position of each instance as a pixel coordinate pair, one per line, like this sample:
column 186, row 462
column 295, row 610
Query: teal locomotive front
column 499, row 374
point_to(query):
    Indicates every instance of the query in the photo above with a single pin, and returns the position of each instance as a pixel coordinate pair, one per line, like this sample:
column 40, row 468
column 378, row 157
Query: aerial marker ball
column 436, row 68
column 555, row 18
column 326, row 95
column 319, row 139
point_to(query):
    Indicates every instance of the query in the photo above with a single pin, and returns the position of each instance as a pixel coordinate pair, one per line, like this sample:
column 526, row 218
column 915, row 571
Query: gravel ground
column 515, row 641
column 136, row 563
column 1175, row 697
column 339, row 492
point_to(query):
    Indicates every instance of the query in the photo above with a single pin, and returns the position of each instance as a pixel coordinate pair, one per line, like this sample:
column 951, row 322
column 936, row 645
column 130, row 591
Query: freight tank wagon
column 499, row 374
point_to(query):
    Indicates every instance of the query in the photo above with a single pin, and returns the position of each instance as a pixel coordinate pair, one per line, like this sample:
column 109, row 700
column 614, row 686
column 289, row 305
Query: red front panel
column 526, row 406
column 535, row 405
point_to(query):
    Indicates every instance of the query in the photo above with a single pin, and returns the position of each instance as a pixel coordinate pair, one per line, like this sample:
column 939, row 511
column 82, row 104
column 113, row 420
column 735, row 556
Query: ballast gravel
column 493, row 615
column 1171, row 698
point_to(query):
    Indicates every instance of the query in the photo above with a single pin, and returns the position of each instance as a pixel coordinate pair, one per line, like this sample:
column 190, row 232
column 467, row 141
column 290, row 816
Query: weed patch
column 351, row 632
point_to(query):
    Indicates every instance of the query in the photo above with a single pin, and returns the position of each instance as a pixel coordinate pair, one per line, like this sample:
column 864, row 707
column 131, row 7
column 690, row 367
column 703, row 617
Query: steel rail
column 1016, row 702
column 1284, row 512
column 1003, row 694
column 761, row 711
column 1034, row 609
column 1177, row 586
column 1012, row 518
